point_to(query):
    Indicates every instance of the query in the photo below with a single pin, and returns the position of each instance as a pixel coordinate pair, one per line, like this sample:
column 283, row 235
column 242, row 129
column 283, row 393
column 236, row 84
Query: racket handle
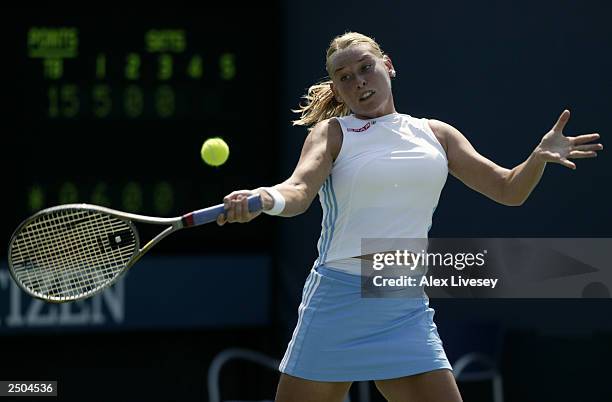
column 210, row 214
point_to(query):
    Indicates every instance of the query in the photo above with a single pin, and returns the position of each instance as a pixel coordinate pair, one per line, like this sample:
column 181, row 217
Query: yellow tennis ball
column 214, row 151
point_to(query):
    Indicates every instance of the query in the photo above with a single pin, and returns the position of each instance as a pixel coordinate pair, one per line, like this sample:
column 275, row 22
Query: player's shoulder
column 437, row 125
column 441, row 131
column 328, row 131
column 329, row 126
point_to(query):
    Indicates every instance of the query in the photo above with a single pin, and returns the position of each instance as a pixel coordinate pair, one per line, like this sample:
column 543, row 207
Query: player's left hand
column 557, row 148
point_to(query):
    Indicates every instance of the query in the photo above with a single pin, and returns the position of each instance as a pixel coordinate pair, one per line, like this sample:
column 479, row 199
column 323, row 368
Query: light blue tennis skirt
column 341, row 336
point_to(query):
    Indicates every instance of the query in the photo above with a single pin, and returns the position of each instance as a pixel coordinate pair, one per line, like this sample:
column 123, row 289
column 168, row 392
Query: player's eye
column 367, row 67
column 344, row 77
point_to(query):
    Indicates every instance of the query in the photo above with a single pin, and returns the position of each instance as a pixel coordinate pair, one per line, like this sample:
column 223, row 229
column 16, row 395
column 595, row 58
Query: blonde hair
column 321, row 104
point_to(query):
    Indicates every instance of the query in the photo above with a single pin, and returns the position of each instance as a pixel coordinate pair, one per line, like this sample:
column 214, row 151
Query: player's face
column 362, row 81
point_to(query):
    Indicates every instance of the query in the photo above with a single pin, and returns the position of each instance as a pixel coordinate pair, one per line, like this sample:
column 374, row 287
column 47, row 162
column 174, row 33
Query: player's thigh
column 433, row 386
column 294, row 389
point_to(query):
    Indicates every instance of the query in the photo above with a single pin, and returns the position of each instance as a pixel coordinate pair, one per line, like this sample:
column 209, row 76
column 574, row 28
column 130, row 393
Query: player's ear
column 335, row 92
column 389, row 65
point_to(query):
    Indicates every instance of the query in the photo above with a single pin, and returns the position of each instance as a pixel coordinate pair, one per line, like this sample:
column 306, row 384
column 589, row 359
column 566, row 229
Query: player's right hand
column 236, row 207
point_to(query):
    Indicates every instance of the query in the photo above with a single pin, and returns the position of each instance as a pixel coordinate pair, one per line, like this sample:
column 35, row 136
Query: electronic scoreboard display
column 112, row 108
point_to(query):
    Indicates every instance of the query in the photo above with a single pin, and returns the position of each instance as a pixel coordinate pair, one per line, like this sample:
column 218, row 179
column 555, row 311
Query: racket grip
column 210, row 214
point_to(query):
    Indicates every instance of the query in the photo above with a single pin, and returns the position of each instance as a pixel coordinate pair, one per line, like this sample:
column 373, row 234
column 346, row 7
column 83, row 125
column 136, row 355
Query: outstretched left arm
column 512, row 186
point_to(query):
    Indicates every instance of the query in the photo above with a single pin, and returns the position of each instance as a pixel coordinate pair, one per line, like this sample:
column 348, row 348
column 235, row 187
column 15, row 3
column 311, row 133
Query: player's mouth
column 366, row 95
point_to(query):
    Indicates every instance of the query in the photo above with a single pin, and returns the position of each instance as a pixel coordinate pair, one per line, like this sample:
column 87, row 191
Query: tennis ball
column 214, row 151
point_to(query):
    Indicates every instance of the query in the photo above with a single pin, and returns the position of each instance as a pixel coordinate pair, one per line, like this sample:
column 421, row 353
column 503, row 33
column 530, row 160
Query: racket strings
column 48, row 279
column 86, row 276
column 74, row 246
column 68, row 253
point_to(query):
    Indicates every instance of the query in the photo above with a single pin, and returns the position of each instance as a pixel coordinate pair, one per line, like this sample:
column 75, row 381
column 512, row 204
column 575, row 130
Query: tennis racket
column 74, row 251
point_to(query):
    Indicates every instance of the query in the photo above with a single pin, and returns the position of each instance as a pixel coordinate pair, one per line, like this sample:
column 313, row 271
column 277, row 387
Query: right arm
column 320, row 149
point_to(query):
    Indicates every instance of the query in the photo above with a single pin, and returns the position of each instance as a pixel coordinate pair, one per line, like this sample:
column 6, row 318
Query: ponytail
column 320, row 105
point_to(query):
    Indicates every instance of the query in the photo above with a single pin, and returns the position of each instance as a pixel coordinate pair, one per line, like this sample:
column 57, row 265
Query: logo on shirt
column 362, row 129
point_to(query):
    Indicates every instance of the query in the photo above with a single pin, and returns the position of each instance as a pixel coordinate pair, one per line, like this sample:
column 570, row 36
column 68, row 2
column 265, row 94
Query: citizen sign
column 107, row 308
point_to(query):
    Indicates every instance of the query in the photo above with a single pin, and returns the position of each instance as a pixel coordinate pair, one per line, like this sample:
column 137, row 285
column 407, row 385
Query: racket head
column 71, row 252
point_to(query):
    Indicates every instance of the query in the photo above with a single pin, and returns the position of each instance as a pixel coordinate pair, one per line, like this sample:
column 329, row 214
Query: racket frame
column 192, row 219
column 126, row 217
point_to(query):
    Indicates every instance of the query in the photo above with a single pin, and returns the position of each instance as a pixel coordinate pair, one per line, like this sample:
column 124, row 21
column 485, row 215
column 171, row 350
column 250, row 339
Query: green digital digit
column 63, row 100
column 227, row 66
column 53, row 68
column 102, row 102
column 132, row 197
column 163, row 198
column 36, row 198
column 101, row 66
column 69, row 95
column 53, row 95
column 68, row 193
column 164, row 101
column 194, row 68
column 99, row 195
column 164, row 71
column 133, row 101
column 132, row 66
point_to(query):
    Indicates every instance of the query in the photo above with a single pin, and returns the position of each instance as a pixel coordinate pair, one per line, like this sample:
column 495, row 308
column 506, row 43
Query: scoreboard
column 141, row 73
column 112, row 108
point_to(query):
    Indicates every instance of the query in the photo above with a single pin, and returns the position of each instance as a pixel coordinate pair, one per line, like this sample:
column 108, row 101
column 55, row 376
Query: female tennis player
column 378, row 174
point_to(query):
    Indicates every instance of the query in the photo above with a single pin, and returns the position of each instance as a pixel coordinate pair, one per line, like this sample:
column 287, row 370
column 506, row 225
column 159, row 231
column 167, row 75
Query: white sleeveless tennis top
column 385, row 183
